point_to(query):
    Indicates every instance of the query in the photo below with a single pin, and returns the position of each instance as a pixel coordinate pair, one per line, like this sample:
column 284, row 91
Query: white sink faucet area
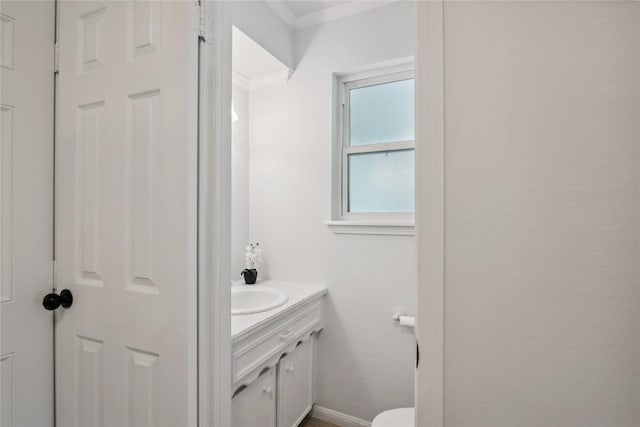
column 255, row 299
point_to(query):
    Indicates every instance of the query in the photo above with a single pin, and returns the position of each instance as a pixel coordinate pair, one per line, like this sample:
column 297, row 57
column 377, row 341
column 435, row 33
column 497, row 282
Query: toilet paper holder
column 404, row 320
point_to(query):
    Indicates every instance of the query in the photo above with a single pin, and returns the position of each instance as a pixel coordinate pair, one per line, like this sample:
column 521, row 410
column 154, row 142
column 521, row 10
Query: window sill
column 372, row 228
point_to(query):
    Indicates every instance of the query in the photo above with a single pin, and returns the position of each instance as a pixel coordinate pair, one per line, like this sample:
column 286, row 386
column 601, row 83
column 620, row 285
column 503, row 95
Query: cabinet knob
column 267, row 390
column 290, row 369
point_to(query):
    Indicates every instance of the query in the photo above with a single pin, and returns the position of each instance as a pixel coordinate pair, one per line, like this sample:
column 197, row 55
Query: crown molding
column 240, row 80
column 282, row 11
column 258, row 82
column 273, row 79
column 325, row 15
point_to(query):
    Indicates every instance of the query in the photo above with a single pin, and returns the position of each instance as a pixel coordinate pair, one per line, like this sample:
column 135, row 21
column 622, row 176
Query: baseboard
column 338, row 418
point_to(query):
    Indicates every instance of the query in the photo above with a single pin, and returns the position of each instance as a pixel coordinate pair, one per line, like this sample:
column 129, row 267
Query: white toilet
column 400, row 417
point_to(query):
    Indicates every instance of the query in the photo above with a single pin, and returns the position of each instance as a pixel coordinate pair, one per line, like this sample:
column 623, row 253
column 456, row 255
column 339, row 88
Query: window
column 374, row 155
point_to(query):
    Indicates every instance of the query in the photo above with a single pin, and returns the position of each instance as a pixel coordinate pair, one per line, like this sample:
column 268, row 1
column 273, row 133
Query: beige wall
column 542, row 103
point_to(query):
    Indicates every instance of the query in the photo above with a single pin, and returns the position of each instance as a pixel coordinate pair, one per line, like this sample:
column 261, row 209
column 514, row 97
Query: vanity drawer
column 273, row 339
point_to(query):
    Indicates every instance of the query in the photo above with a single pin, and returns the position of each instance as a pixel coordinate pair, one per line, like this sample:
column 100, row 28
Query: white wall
column 366, row 363
column 542, row 103
column 262, row 24
column 239, row 181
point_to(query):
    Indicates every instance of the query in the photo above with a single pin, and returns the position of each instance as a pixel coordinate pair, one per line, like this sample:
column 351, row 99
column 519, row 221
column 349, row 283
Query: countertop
column 297, row 292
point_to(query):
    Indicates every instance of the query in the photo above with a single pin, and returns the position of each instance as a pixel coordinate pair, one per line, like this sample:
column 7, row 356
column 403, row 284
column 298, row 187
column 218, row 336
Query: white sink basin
column 254, row 299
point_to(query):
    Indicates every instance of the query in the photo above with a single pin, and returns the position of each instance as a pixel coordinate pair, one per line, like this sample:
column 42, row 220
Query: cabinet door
column 295, row 385
column 255, row 406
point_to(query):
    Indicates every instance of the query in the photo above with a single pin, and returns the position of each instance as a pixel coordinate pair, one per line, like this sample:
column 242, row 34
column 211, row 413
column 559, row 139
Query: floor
column 314, row 422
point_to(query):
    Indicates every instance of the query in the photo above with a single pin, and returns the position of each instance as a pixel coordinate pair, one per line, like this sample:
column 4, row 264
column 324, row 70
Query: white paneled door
column 26, row 212
column 126, row 213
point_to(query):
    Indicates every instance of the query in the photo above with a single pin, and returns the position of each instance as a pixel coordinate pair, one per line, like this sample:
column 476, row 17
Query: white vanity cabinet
column 272, row 357
column 295, row 384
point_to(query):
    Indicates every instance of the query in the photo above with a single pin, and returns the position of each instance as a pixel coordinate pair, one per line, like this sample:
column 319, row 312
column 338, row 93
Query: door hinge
column 205, row 29
column 55, row 275
column 56, row 58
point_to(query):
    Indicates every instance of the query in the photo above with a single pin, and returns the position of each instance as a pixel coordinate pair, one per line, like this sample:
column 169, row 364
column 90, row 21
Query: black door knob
column 53, row 300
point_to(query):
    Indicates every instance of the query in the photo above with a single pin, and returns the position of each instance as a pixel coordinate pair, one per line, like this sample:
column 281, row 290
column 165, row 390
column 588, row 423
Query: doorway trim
column 214, row 218
column 430, row 212
column 214, row 317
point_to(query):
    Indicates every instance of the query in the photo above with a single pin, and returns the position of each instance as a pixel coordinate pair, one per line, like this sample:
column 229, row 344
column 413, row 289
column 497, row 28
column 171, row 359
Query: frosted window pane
column 382, row 113
column 382, row 181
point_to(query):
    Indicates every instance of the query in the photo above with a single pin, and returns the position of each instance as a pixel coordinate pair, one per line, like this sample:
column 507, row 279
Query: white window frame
column 344, row 221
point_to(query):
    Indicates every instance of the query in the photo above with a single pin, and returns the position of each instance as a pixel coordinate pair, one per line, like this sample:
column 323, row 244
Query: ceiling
column 299, row 8
column 300, row 14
